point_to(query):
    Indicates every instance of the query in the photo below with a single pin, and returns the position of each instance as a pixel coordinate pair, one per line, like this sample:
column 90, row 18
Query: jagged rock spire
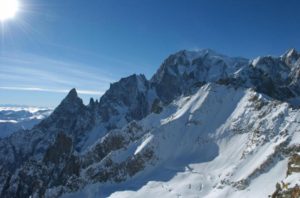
column 71, row 103
column 72, row 94
column 92, row 102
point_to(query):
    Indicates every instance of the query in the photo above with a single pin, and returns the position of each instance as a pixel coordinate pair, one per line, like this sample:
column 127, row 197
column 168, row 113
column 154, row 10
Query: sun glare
column 8, row 9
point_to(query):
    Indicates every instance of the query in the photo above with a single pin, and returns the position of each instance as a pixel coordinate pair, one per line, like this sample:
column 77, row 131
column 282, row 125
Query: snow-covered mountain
column 205, row 125
column 15, row 117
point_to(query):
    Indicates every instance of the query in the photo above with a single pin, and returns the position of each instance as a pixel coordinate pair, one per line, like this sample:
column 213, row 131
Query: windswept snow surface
column 217, row 142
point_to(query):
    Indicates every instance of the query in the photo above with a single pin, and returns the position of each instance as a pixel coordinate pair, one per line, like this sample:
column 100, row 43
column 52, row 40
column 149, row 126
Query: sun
column 8, row 9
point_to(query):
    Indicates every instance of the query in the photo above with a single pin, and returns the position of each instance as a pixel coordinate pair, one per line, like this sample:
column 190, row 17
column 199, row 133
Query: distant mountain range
column 20, row 117
column 205, row 125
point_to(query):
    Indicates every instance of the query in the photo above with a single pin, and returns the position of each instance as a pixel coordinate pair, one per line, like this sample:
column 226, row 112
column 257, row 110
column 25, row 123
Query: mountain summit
column 71, row 102
column 205, row 125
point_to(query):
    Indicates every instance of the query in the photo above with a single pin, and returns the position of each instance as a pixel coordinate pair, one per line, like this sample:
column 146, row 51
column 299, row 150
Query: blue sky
column 53, row 46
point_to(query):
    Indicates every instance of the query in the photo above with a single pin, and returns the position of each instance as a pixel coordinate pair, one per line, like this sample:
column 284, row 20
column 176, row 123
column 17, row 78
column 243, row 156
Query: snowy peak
column 290, row 53
column 186, row 70
column 291, row 56
column 187, row 56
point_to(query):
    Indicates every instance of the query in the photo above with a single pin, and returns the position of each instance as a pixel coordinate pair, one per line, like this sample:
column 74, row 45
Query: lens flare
column 8, row 9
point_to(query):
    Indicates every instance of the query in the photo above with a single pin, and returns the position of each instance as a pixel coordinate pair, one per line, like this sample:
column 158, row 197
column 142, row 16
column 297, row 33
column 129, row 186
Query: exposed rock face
column 287, row 193
column 126, row 100
column 294, row 164
column 50, row 159
column 61, row 148
column 71, row 117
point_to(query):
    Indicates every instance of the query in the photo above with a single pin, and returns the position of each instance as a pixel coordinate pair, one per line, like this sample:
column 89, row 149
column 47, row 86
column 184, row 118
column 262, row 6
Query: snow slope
column 214, row 143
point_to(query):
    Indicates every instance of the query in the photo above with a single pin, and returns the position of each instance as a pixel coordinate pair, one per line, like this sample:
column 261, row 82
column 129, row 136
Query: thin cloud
column 27, row 72
column 83, row 92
